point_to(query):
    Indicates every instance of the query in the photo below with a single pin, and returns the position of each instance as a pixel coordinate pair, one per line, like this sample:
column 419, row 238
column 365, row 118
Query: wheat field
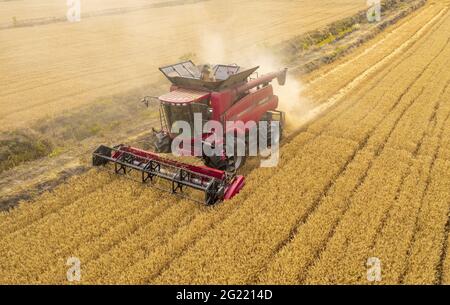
column 369, row 178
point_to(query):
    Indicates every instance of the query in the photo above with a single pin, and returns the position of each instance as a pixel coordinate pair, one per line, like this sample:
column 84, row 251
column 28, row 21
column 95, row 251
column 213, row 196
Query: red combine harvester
column 227, row 93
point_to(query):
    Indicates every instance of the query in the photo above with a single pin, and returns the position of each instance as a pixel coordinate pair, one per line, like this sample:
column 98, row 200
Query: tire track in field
column 332, row 103
column 361, row 180
column 387, row 226
column 397, row 120
column 444, row 252
column 425, row 29
column 380, row 231
column 426, row 189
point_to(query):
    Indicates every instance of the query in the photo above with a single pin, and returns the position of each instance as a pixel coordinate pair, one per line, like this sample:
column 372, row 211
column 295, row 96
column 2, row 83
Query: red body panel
column 221, row 102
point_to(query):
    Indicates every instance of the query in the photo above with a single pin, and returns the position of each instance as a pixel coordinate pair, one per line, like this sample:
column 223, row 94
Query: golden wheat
column 370, row 178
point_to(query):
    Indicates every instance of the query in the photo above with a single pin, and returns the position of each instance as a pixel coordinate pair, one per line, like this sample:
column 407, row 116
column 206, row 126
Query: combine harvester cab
column 227, row 93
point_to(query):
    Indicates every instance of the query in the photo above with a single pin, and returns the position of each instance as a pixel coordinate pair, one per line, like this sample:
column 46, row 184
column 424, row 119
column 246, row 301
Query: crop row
column 51, row 202
column 31, row 251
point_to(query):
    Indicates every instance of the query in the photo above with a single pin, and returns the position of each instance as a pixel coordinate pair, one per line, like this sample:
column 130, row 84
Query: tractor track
column 444, row 252
column 414, row 154
column 421, row 30
column 393, row 128
column 361, row 146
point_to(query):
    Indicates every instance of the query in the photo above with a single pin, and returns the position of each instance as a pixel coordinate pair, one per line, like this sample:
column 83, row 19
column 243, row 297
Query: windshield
column 173, row 113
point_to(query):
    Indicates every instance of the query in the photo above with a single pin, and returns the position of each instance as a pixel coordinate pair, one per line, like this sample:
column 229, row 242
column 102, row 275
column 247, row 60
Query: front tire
column 227, row 163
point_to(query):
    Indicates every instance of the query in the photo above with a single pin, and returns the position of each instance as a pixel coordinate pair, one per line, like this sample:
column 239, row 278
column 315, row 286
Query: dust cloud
column 214, row 49
column 291, row 98
column 224, row 43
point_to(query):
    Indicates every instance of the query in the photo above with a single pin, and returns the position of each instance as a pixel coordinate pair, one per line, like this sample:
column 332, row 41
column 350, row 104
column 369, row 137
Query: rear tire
column 226, row 163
